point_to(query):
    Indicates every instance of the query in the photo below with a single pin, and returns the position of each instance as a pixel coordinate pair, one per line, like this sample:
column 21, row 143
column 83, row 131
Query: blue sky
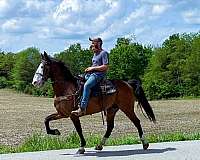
column 53, row 25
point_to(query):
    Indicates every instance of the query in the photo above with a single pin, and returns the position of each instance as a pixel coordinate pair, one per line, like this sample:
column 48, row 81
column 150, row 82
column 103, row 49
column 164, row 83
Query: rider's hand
column 89, row 69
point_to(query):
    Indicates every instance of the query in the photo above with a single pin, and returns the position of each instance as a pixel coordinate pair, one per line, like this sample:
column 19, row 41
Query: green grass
column 39, row 142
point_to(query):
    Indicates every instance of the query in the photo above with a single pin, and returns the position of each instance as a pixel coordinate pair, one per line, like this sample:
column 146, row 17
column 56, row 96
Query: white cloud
column 33, row 4
column 155, row 35
column 57, row 24
column 192, row 16
column 18, row 26
column 141, row 30
column 12, row 24
column 3, row 5
column 111, row 12
column 155, row 1
column 82, row 17
column 159, row 8
column 66, row 10
column 137, row 14
column 2, row 42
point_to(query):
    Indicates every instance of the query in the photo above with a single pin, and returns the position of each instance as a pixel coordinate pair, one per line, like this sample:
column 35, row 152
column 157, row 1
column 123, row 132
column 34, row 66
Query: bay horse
column 65, row 101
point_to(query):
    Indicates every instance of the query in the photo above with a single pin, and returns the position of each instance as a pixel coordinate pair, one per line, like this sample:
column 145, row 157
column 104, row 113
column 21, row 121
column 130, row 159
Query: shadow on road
column 124, row 152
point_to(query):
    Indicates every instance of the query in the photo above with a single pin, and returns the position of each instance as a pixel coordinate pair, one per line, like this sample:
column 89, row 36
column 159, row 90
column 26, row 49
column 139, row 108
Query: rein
column 69, row 97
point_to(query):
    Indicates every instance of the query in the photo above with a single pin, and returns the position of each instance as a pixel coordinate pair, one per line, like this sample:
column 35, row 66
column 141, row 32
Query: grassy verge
column 39, row 142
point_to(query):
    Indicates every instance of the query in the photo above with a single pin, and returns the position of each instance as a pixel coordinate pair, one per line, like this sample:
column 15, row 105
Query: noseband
column 39, row 74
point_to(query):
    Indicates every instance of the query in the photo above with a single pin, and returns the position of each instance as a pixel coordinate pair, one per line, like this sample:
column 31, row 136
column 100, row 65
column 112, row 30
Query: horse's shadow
column 123, row 152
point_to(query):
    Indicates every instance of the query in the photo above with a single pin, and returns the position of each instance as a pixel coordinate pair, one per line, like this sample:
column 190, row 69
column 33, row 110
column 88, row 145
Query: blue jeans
column 92, row 80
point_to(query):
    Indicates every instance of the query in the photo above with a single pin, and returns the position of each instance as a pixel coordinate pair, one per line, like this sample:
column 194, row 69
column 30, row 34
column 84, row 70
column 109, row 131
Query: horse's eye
column 42, row 66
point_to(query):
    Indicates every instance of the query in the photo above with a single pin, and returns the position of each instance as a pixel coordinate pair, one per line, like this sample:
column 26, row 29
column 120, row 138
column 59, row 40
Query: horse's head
column 43, row 71
column 53, row 69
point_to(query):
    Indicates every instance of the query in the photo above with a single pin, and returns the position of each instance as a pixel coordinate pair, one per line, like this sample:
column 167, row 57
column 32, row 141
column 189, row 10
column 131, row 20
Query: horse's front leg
column 49, row 118
column 77, row 124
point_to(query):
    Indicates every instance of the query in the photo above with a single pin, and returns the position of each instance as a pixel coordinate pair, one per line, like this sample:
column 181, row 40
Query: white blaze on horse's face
column 38, row 79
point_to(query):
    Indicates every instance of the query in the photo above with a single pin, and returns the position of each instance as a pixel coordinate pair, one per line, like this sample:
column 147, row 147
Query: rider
column 94, row 74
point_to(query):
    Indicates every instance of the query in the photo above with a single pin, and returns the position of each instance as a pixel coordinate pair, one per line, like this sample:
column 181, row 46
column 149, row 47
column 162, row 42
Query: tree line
column 166, row 71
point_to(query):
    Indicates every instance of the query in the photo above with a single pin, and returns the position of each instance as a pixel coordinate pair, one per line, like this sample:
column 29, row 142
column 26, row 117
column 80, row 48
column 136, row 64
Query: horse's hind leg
column 77, row 124
column 131, row 115
column 111, row 112
column 49, row 118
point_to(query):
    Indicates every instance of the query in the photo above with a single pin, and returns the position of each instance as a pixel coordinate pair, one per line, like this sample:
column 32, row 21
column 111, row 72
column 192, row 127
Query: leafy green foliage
column 76, row 58
column 191, row 70
column 128, row 60
column 7, row 61
column 3, row 82
column 24, row 67
column 45, row 90
column 173, row 71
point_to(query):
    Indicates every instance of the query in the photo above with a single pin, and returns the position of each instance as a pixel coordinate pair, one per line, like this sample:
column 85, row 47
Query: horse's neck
column 62, row 88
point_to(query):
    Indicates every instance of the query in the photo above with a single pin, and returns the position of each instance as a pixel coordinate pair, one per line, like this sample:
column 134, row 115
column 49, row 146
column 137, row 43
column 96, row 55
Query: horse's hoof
column 99, row 147
column 145, row 146
column 81, row 151
column 54, row 132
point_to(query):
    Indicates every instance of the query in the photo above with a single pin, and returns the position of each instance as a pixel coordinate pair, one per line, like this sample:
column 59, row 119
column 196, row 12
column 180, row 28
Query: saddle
column 103, row 88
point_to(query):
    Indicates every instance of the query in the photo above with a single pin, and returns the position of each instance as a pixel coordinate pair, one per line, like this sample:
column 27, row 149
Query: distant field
column 22, row 115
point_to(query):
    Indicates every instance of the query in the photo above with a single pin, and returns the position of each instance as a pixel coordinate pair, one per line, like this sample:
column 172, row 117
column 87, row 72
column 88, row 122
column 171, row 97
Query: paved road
column 187, row 150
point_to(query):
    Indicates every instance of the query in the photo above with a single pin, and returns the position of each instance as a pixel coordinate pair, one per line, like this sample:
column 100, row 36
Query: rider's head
column 96, row 45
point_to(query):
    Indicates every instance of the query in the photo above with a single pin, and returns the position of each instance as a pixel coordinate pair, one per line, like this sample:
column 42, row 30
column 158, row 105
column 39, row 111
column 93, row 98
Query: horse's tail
column 142, row 100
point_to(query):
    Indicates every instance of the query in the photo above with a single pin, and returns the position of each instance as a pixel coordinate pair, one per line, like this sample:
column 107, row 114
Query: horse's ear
column 90, row 39
column 46, row 57
column 45, row 53
column 42, row 56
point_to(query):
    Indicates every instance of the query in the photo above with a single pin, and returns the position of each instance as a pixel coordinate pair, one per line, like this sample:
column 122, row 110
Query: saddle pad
column 105, row 87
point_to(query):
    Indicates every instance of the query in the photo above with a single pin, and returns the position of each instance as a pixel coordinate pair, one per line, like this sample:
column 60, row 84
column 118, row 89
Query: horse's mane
column 68, row 76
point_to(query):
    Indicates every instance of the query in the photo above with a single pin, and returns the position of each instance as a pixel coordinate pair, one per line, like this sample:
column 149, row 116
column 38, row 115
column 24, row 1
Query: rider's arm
column 102, row 68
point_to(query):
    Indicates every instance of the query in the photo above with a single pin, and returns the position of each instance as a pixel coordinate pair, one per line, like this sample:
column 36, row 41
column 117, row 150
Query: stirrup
column 79, row 112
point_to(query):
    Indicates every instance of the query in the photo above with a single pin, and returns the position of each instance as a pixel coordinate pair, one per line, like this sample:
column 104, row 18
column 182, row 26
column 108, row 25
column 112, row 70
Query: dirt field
column 22, row 115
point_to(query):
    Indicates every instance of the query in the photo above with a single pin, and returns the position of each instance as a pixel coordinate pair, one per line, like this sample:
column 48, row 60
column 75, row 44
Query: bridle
column 40, row 74
column 44, row 76
column 69, row 97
